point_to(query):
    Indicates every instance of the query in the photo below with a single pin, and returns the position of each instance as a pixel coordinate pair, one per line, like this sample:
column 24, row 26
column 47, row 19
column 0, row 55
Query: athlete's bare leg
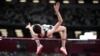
column 39, row 46
column 63, row 32
column 37, row 41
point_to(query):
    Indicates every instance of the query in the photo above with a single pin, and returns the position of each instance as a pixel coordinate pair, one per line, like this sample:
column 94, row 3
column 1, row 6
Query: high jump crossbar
column 11, row 38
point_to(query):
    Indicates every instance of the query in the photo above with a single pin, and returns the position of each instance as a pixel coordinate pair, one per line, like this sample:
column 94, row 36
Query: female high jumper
column 43, row 31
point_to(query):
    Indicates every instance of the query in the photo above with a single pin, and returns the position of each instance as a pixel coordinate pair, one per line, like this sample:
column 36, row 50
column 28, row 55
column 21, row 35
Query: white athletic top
column 47, row 27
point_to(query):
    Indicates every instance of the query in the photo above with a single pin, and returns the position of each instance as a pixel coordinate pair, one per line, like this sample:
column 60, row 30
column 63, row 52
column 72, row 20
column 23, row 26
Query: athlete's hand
column 28, row 26
column 56, row 6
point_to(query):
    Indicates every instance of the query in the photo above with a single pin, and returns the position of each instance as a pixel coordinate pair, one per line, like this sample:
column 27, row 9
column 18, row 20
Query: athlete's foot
column 39, row 49
column 63, row 50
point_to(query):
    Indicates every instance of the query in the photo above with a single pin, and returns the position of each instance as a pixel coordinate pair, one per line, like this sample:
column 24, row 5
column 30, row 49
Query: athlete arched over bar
column 43, row 31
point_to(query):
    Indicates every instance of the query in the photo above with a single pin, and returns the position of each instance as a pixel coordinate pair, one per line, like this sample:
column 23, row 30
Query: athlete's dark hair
column 37, row 29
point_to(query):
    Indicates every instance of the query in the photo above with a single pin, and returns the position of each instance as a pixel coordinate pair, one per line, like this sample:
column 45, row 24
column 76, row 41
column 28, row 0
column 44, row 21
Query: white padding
column 88, row 35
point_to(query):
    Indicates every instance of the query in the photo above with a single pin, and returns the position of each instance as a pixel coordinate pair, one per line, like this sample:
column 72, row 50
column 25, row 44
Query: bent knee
column 64, row 28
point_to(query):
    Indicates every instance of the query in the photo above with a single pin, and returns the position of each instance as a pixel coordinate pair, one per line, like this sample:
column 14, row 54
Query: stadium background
column 79, row 16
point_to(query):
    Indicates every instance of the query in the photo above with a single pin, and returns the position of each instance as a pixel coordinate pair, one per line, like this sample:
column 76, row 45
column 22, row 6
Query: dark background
column 77, row 17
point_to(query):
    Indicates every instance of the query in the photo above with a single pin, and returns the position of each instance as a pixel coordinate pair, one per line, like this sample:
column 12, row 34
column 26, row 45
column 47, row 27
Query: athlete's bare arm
column 31, row 30
column 60, row 20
